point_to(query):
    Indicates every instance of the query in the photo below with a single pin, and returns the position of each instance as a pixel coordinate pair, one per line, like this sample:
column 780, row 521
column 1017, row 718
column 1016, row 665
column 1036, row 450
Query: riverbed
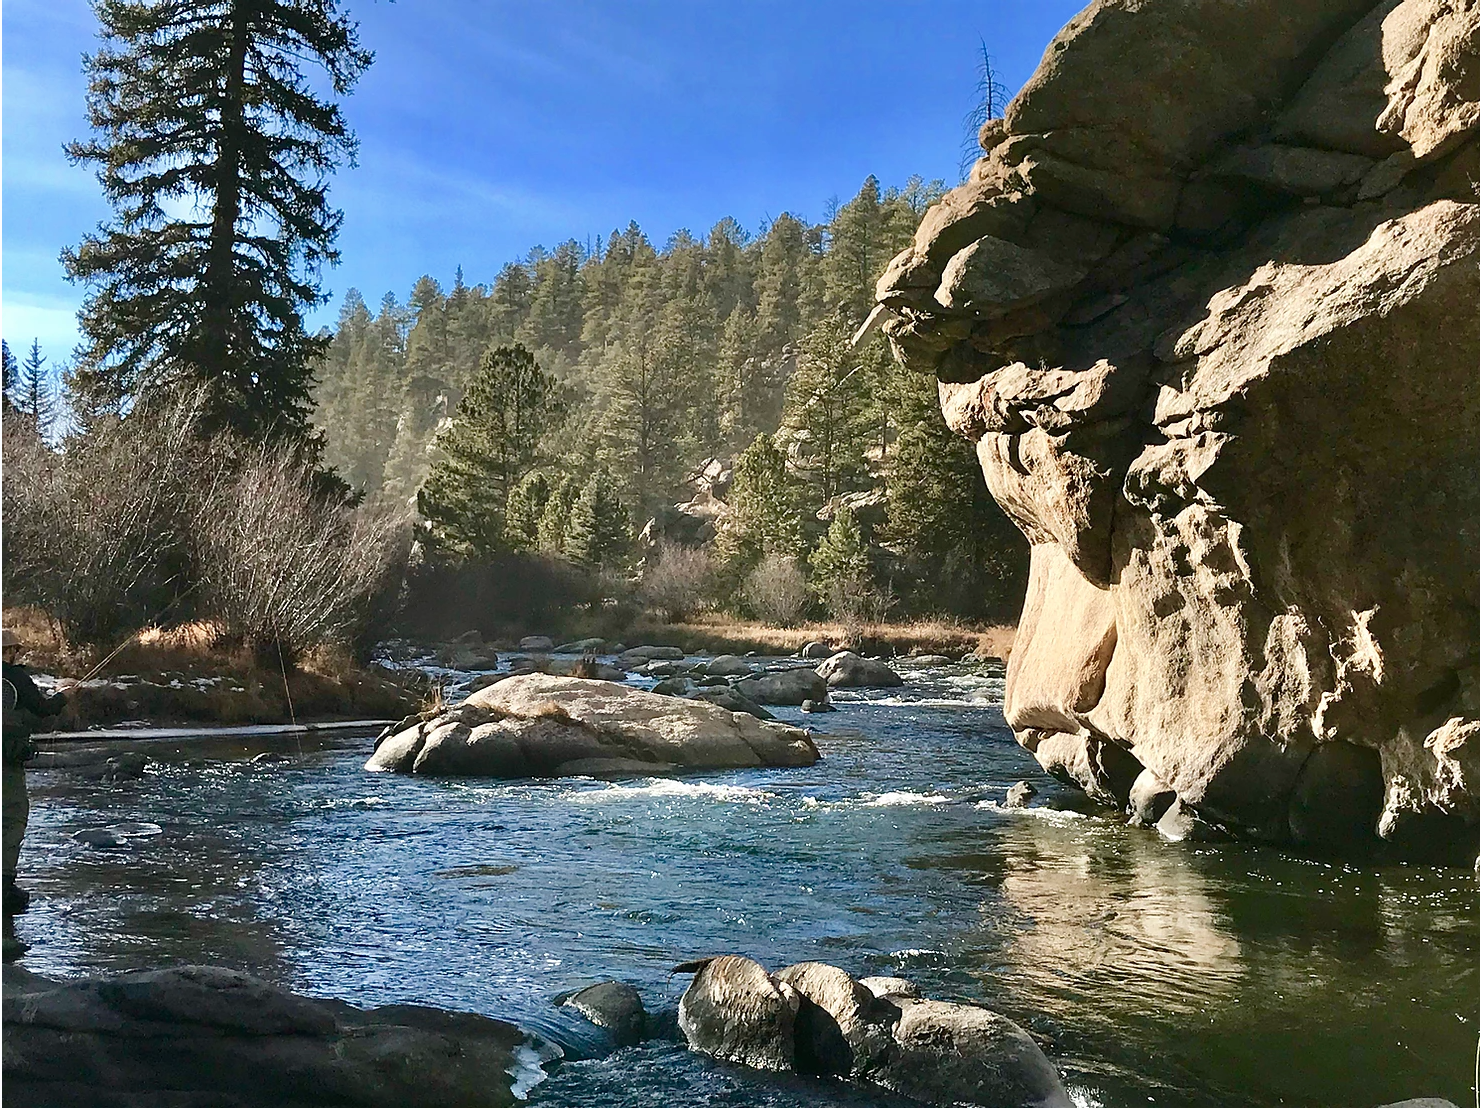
column 1187, row 974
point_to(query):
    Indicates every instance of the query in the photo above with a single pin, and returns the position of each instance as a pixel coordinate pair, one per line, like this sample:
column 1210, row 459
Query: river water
column 1187, row 974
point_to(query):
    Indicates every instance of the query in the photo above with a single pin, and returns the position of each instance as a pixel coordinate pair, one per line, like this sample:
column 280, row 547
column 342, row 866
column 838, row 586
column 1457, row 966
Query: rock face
column 540, row 725
column 204, row 1035
column 1208, row 309
column 814, row 1018
column 846, row 670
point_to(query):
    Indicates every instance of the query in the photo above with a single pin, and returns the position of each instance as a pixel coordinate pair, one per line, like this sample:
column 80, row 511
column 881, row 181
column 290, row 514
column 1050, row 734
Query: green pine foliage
column 828, row 420
column 597, row 536
column 765, row 509
column 204, row 107
column 842, row 575
column 487, row 450
column 32, row 394
column 554, row 523
column 526, row 508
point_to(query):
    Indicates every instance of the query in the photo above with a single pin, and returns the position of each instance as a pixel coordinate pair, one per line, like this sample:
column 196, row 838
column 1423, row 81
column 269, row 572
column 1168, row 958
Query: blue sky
column 487, row 127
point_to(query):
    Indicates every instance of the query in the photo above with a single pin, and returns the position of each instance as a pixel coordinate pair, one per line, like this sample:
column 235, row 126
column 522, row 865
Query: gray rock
column 728, row 699
column 728, row 665
column 791, row 686
column 637, row 655
column 883, row 987
column 1423, row 1102
column 818, row 650
column 840, row 1027
column 270, row 758
column 198, row 1035
column 1337, row 799
column 541, row 725
column 614, row 1006
column 582, row 646
column 846, row 670
column 949, row 1053
column 674, row 686
column 661, row 669
column 933, row 660
column 1181, row 824
column 817, row 706
column 483, row 681
column 537, row 644
column 1019, row 795
column 735, row 1010
column 1149, row 800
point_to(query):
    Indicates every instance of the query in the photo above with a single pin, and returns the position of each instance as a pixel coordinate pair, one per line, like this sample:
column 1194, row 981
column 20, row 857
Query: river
column 1188, row 974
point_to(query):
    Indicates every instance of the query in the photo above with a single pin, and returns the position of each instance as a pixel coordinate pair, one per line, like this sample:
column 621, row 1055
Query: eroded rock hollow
column 1209, row 307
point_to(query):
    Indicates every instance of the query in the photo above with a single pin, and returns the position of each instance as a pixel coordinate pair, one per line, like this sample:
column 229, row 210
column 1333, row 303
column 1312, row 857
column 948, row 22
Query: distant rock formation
column 1210, row 309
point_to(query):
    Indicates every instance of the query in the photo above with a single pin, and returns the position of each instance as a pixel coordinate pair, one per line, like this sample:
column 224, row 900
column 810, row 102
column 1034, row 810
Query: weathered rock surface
column 539, row 725
column 790, row 686
column 1207, row 307
column 728, row 665
column 846, row 670
column 814, row 1018
column 203, row 1035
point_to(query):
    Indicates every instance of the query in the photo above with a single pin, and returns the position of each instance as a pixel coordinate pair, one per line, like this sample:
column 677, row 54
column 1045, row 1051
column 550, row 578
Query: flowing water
column 1153, row 973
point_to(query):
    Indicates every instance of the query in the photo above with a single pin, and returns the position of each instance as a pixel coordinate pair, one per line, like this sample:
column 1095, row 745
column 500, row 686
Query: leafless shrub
column 93, row 531
column 285, row 568
column 679, row 581
column 776, row 591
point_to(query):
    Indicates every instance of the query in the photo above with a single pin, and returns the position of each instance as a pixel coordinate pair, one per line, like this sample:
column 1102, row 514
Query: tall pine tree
column 492, row 443
column 214, row 148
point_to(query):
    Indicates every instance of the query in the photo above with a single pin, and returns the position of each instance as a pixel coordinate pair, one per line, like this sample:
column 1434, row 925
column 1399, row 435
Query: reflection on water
column 1186, row 974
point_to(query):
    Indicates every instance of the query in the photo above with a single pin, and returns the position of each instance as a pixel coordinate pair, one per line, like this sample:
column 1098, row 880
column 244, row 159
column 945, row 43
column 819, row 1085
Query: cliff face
column 1209, row 307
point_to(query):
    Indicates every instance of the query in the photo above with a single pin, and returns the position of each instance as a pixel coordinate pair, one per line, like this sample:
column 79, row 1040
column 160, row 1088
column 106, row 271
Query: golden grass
column 916, row 637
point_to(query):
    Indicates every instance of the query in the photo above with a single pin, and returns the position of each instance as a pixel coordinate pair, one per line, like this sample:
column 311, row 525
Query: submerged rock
column 1206, row 308
column 540, row 725
column 1019, row 795
column 202, row 1034
column 614, row 1006
column 846, row 670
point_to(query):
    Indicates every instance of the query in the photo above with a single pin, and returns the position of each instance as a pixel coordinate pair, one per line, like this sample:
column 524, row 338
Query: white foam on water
column 1084, row 1098
column 1051, row 815
column 664, row 787
column 528, row 1066
column 905, row 799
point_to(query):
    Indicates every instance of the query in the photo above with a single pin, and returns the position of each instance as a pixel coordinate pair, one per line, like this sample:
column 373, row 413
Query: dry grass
column 918, row 637
column 183, row 674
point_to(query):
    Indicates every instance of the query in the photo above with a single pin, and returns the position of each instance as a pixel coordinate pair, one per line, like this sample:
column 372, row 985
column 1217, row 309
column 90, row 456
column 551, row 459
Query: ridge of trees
column 667, row 361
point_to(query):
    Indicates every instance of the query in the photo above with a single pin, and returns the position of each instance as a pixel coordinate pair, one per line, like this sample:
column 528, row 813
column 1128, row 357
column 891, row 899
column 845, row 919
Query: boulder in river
column 735, row 1010
column 615, row 1006
column 637, row 655
column 814, row 1018
column 1205, row 306
column 786, row 686
column 1019, row 795
column 539, row 725
column 727, row 698
column 206, row 1035
column 537, row 644
column 846, row 670
column 728, row 665
column 816, row 650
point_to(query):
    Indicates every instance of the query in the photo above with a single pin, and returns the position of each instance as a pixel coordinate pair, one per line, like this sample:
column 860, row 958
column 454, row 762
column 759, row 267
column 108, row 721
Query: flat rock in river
column 539, row 725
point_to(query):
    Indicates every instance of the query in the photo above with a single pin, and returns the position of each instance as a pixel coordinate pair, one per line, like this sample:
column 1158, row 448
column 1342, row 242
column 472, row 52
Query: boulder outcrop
column 846, row 670
column 1209, row 308
column 539, row 725
column 207, row 1035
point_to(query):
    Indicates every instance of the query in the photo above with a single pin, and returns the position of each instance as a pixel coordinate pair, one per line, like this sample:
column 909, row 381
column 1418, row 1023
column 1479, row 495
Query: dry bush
column 93, row 533
column 679, row 582
column 776, row 591
column 284, row 568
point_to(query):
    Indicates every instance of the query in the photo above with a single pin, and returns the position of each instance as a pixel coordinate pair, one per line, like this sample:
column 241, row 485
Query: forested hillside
column 655, row 370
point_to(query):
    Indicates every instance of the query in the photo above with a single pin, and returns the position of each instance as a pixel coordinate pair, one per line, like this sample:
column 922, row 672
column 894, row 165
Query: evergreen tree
column 961, row 554
column 827, row 412
column 492, row 443
column 554, row 522
column 642, row 424
column 10, row 372
column 526, row 508
column 764, row 516
column 597, row 535
column 204, row 104
column 841, row 573
column 33, row 395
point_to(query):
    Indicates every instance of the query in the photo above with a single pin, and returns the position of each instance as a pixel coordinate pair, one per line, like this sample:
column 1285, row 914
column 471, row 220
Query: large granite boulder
column 198, row 1035
column 846, row 670
column 786, row 686
column 733, row 1009
column 1207, row 308
column 539, row 725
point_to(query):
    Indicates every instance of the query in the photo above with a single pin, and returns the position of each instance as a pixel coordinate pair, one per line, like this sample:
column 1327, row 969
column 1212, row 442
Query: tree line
column 570, row 404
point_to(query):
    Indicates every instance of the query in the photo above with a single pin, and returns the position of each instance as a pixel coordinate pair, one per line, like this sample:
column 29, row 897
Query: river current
column 1185, row 974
